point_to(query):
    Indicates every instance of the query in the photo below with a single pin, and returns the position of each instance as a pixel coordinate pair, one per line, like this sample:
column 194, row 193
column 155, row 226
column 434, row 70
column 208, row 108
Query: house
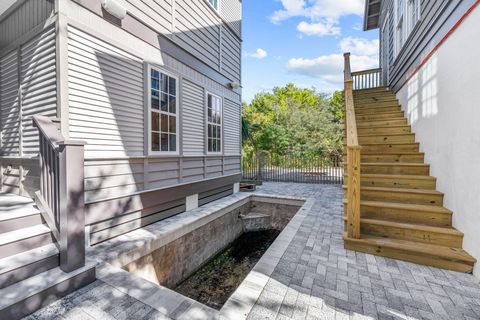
column 413, row 144
column 114, row 114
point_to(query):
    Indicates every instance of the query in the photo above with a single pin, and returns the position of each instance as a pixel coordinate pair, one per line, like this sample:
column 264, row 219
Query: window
column 214, row 123
column 214, row 4
column 163, row 105
column 407, row 15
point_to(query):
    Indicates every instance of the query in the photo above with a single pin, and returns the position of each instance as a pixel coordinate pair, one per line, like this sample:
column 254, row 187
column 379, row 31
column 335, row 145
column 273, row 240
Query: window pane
column 155, row 121
column 154, row 73
column 173, row 124
column 219, row 134
column 155, row 141
column 155, row 103
column 163, row 83
column 214, row 145
column 164, row 141
column 164, row 123
column 173, row 142
column 209, row 145
column 172, row 104
column 210, row 119
column 164, row 102
column 210, row 131
column 172, row 86
column 155, row 84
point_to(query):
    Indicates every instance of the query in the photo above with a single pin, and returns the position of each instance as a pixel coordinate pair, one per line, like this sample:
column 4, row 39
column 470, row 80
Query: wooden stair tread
column 396, row 164
column 412, row 191
column 384, row 135
column 395, row 176
column 416, row 247
column 403, row 206
column 413, row 226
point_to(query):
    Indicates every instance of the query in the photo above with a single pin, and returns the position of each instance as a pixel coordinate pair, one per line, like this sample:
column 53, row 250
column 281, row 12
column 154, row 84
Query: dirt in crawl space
column 213, row 284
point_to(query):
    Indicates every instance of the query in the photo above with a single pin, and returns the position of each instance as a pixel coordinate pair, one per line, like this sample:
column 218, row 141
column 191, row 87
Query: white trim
column 149, row 110
column 219, row 153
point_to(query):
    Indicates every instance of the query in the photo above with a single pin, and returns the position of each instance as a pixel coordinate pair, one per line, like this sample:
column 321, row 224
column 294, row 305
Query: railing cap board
column 375, row 70
column 50, row 130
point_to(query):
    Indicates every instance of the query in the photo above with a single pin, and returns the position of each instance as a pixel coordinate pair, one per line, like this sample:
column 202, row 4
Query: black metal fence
column 321, row 169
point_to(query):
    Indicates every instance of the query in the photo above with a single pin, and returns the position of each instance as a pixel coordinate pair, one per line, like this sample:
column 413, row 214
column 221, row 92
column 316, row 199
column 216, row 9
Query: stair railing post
column 71, row 205
column 353, row 156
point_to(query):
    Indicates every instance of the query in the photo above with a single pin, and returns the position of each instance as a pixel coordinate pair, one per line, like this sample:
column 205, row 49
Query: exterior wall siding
column 193, row 118
column 232, row 129
column 28, row 86
column 10, row 104
column 106, row 108
column 231, row 12
column 231, row 57
column 105, row 97
column 437, row 17
column 22, row 20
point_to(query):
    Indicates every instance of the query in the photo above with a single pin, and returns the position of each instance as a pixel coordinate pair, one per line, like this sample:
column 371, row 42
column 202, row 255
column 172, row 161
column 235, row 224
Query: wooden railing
column 353, row 156
column 367, row 79
column 61, row 195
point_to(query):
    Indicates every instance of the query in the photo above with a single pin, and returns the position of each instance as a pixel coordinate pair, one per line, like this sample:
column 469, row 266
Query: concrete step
column 27, row 264
column 254, row 221
column 24, row 239
column 27, row 296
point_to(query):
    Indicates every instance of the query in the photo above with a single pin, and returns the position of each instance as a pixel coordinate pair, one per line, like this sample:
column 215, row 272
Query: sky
column 302, row 42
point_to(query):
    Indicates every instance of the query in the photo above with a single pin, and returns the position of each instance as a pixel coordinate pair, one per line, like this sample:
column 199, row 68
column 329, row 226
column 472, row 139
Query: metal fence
column 319, row 169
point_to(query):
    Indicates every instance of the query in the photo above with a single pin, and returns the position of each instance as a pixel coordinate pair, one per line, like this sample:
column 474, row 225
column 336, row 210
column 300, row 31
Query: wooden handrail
column 61, row 195
column 353, row 155
column 375, row 70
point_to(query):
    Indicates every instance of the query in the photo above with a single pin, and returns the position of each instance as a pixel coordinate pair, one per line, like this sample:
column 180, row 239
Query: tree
column 292, row 120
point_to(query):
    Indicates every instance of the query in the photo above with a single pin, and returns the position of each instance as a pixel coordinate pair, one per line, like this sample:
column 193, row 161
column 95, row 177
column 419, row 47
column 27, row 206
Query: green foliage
column 292, row 120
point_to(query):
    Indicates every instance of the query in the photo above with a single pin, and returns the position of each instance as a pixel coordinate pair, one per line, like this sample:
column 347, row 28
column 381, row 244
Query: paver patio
column 316, row 278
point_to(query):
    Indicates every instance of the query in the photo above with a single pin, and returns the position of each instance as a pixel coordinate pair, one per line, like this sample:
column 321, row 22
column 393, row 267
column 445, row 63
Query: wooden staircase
column 401, row 213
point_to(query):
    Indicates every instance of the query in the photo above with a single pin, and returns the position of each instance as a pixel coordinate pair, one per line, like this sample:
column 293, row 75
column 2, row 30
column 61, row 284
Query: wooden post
column 353, row 192
column 71, row 204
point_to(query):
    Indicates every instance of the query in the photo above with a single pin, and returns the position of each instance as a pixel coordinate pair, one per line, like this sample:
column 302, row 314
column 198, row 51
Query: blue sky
column 302, row 41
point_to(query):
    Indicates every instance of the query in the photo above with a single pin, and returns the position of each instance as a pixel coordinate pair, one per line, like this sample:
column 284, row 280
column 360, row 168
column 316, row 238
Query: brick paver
column 316, row 278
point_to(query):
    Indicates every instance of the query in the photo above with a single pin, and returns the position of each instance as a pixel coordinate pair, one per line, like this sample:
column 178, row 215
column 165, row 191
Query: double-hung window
column 413, row 15
column 214, row 4
column 163, row 112
column 399, row 10
column 214, row 123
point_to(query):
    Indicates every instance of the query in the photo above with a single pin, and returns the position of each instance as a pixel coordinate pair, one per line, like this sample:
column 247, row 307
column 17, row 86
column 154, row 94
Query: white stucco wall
column 442, row 102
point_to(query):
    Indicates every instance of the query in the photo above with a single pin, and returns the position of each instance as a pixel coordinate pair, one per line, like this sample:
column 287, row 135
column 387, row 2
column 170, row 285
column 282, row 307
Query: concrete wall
column 174, row 262
column 442, row 103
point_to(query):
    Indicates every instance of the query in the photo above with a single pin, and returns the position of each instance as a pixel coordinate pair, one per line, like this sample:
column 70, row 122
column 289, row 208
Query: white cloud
column 329, row 68
column 316, row 10
column 258, row 54
column 360, row 46
column 318, row 29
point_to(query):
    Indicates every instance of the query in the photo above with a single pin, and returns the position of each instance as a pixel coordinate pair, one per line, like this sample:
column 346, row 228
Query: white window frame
column 177, row 111
column 216, row 124
column 211, row 4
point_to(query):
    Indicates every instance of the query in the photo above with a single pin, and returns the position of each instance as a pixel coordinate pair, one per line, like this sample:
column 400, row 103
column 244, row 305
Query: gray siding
column 197, row 30
column 105, row 97
column 231, row 55
column 39, row 86
column 193, row 118
column 9, row 103
column 231, row 12
column 155, row 13
column 437, row 18
column 231, row 116
column 25, row 18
